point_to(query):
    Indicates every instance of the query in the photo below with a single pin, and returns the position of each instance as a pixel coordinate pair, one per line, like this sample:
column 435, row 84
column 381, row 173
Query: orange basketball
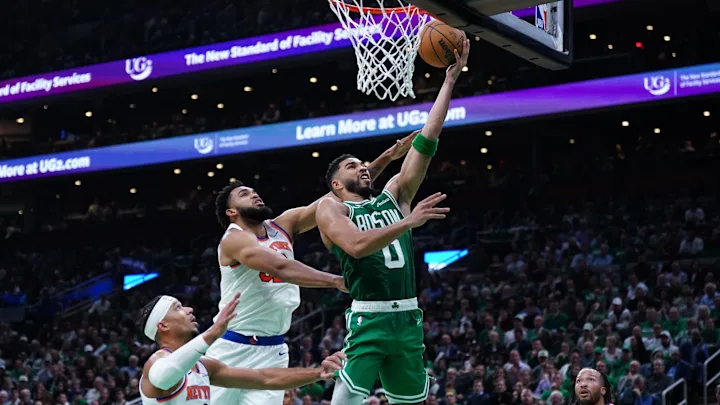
column 437, row 43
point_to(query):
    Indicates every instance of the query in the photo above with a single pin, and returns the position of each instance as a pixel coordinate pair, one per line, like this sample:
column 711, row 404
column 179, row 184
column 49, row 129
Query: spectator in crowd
column 659, row 380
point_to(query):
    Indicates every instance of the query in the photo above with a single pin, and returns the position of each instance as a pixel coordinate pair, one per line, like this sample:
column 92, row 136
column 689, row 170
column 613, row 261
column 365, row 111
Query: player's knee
column 343, row 396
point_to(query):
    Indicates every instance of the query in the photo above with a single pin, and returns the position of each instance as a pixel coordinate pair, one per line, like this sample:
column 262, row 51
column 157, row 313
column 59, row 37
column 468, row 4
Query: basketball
column 437, row 43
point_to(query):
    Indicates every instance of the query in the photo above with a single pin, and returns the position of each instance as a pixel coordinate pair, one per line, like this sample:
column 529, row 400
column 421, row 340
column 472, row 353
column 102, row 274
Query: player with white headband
column 178, row 373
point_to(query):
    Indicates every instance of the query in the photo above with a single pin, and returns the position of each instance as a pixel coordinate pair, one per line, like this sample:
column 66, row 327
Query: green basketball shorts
column 385, row 338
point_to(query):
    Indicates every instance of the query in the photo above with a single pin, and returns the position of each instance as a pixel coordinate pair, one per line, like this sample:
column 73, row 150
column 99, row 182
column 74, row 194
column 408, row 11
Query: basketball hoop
column 386, row 40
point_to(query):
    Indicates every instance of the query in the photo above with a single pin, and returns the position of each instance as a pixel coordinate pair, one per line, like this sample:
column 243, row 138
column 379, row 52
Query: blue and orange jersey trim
column 175, row 393
column 279, row 228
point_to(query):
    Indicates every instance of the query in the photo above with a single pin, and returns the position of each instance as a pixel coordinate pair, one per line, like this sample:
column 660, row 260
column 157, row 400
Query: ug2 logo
column 204, row 145
column 657, row 85
column 139, row 68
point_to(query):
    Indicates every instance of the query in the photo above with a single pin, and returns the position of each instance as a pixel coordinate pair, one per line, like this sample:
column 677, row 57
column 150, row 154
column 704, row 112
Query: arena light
column 316, row 154
column 477, row 38
column 488, row 133
column 649, row 28
column 20, row 212
column 233, row 179
column 134, row 280
column 674, row 55
column 88, row 114
column 220, row 106
column 483, row 150
column 465, row 68
column 154, row 89
column 184, row 111
column 313, row 80
column 610, row 46
column 194, row 97
column 333, row 88
column 274, row 70
column 427, row 75
column 131, row 106
column 438, row 260
column 247, row 89
column 78, row 183
column 572, row 141
column 45, row 107
column 20, row 120
column 256, row 177
column 133, row 190
column 177, row 171
column 593, row 36
column 210, row 174
column 219, row 166
column 656, row 130
column 666, row 38
column 639, row 45
column 706, row 113
column 626, row 123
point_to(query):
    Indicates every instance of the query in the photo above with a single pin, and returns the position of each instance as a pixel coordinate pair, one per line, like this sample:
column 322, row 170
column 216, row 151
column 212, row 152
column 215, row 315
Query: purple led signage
column 614, row 91
column 233, row 53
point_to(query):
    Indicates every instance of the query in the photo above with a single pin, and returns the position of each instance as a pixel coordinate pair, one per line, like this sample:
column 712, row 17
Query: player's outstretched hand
column 221, row 324
column 331, row 364
column 427, row 210
column 453, row 72
column 402, row 146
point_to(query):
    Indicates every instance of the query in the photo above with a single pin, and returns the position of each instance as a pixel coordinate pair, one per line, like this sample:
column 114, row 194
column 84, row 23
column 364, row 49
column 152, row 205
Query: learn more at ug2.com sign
column 615, row 91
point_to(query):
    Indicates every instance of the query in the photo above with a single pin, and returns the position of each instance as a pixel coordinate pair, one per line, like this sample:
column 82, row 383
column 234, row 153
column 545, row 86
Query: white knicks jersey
column 194, row 390
column 266, row 304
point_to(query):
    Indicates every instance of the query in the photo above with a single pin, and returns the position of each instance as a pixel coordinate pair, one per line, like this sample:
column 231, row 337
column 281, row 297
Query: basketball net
column 386, row 41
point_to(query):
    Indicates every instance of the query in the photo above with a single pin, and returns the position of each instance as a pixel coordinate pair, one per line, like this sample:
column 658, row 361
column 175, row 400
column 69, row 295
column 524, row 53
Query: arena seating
column 590, row 244
column 548, row 268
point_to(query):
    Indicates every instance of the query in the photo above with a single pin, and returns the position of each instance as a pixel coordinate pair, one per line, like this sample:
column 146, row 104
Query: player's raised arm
column 424, row 145
column 243, row 247
column 302, row 219
column 165, row 371
column 271, row 378
column 334, row 223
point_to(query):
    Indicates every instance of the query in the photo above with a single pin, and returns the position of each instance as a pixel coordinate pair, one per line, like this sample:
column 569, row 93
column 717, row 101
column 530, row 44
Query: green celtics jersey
column 385, row 275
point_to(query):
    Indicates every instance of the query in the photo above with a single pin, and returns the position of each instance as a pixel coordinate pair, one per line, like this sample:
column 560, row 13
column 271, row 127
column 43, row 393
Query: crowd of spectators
column 627, row 285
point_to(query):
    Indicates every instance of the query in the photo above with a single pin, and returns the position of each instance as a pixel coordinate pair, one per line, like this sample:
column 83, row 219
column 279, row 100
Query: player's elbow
column 160, row 375
column 359, row 249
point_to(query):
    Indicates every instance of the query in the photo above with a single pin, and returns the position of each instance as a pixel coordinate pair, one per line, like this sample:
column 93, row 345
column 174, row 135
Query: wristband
column 425, row 146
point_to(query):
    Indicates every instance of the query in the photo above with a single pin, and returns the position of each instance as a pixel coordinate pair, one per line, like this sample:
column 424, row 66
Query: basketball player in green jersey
column 371, row 237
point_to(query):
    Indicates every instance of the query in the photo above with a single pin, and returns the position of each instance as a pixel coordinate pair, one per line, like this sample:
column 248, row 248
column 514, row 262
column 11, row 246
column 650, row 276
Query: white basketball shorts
column 252, row 357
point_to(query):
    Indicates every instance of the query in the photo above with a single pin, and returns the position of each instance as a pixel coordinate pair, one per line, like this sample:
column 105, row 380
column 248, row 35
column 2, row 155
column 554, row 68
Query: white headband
column 158, row 313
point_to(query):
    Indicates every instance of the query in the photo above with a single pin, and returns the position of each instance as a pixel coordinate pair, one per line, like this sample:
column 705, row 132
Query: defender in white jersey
column 177, row 374
column 256, row 258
